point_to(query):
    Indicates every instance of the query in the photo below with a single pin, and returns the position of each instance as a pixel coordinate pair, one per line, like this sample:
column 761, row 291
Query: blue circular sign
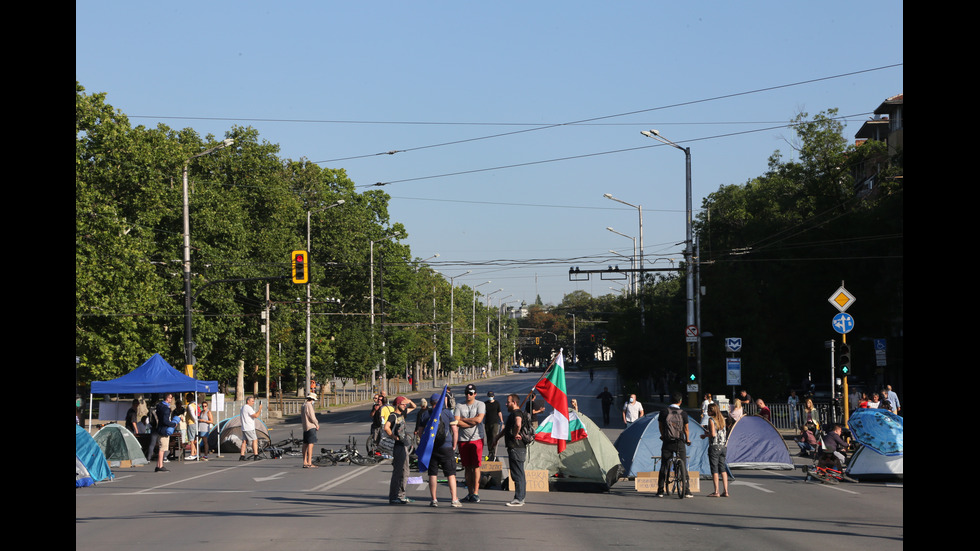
column 843, row 323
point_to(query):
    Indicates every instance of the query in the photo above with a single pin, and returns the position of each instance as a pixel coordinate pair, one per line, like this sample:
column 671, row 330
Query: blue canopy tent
column 154, row 376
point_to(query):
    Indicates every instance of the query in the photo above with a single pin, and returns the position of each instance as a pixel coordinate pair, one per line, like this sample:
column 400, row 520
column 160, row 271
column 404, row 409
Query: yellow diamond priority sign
column 841, row 299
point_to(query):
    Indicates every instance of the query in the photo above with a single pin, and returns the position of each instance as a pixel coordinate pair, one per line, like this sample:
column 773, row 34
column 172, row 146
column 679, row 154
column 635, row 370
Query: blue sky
column 480, row 98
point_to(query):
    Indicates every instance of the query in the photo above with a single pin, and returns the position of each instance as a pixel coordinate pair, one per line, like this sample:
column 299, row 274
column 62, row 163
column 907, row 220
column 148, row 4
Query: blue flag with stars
column 428, row 437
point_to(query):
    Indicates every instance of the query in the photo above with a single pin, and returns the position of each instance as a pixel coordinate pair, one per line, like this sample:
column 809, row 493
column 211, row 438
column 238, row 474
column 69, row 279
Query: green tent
column 589, row 465
column 118, row 444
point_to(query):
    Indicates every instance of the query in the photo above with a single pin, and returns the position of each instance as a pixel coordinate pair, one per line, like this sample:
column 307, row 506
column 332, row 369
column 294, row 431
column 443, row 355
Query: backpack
column 380, row 418
column 674, row 425
column 527, row 429
column 152, row 418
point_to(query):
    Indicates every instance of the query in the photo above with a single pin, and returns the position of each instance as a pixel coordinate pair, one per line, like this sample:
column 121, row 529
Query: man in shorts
column 469, row 416
column 162, row 437
column 442, row 451
column 248, row 428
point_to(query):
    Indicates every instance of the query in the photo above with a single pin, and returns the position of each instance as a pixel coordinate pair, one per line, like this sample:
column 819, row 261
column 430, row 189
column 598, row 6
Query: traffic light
column 845, row 359
column 301, row 267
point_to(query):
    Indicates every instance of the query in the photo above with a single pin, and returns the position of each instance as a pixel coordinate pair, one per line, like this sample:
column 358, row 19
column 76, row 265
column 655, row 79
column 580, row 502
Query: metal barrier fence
column 783, row 416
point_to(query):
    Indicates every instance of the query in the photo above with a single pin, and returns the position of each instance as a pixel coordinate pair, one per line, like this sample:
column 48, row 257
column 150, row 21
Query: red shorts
column 470, row 453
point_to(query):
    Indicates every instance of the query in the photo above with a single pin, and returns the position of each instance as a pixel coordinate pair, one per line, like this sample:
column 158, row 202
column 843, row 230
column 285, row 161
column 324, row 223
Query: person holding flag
column 438, row 439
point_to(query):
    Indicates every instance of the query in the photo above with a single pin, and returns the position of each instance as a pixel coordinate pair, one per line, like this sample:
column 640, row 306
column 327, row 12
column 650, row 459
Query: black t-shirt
column 510, row 431
column 131, row 419
column 492, row 416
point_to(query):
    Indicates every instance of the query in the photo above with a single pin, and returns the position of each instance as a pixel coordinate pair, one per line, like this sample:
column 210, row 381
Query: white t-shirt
column 248, row 423
column 632, row 411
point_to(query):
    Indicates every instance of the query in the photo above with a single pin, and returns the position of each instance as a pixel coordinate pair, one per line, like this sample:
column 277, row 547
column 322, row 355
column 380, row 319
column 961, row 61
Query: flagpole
column 543, row 375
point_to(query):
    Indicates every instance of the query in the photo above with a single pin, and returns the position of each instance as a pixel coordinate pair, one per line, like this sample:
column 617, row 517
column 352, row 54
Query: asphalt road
column 227, row 504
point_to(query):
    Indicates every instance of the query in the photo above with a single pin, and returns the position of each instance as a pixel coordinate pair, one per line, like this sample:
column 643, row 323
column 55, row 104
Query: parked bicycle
column 676, row 471
column 348, row 455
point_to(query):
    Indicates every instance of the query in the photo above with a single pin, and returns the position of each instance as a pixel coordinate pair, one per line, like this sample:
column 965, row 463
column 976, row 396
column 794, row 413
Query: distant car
column 521, row 369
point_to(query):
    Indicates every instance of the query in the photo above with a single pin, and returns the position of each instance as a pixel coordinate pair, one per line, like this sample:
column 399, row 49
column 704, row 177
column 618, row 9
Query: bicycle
column 348, row 455
column 291, row 447
column 675, row 475
column 826, row 468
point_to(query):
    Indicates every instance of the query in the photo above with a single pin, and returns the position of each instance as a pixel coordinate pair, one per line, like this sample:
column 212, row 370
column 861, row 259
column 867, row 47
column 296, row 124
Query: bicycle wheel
column 677, row 467
column 363, row 461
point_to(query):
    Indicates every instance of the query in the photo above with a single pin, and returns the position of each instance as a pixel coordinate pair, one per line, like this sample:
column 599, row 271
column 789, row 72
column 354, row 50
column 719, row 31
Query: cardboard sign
column 491, row 466
column 647, row 481
column 536, row 481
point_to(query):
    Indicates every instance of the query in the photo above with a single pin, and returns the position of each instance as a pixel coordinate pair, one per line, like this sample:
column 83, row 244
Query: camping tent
column 878, row 429
column 90, row 455
column 753, row 443
column 118, row 445
column 82, row 476
column 868, row 465
column 155, row 375
column 589, row 464
column 640, row 442
column 232, row 437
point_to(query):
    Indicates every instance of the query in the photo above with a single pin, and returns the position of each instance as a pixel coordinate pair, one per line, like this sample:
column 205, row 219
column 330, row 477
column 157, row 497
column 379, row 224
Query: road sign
column 881, row 352
column 733, row 344
column 691, row 332
column 841, row 299
column 843, row 323
column 733, row 369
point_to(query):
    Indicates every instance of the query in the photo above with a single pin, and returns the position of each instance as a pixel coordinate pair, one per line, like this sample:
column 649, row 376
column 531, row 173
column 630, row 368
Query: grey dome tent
column 231, row 437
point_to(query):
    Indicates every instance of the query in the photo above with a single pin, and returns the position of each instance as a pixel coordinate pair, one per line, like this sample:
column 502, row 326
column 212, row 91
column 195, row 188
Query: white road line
column 341, row 479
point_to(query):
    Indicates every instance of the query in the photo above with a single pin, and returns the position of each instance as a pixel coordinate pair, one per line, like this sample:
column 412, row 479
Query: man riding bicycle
column 676, row 437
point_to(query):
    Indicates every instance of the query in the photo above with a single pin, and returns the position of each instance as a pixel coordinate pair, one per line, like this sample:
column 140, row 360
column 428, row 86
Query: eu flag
column 428, row 437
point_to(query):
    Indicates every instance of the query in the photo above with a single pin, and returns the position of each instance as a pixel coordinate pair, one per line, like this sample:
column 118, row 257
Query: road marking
column 751, row 485
column 268, row 478
column 341, row 479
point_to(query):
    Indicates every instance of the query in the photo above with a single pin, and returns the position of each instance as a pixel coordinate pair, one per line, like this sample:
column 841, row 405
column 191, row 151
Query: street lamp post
column 689, row 239
column 371, row 275
column 309, row 284
column 473, row 327
column 188, row 333
column 640, row 209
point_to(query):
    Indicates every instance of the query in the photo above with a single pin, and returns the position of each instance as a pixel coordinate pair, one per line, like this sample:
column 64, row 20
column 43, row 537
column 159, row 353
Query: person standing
column 493, row 421
column 534, row 406
column 132, row 417
column 204, row 423
column 632, row 410
column 164, row 422
column 717, row 449
column 676, row 436
column 249, row 414
column 516, row 449
column 444, row 446
column 763, row 410
column 704, row 409
column 607, row 400
column 190, row 419
column 892, row 398
column 310, row 426
column 793, row 402
column 469, row 416
column 395, row 428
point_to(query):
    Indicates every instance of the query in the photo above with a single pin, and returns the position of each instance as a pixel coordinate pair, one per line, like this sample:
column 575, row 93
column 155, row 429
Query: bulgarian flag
column 558, row 427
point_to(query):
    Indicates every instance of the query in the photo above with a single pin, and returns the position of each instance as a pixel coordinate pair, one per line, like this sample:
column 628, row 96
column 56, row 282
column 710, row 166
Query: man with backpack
column 676, row 436
column 444, row 444
column 517, row 434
